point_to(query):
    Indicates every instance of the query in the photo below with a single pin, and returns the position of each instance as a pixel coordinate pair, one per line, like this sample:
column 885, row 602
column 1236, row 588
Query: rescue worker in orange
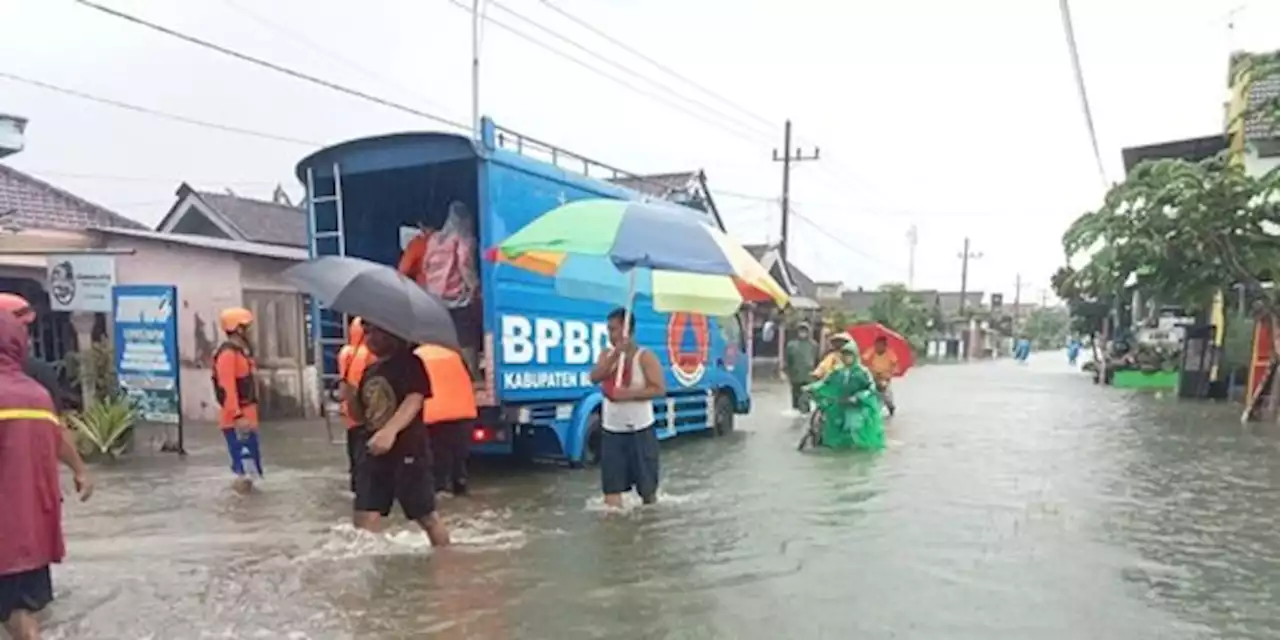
column 353, row 358
column 236, row 389
column 450, row 414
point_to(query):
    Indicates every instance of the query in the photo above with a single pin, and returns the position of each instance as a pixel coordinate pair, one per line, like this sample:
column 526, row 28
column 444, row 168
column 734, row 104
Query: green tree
column 899, row 309
column 1182, row 231
column 1047, row 327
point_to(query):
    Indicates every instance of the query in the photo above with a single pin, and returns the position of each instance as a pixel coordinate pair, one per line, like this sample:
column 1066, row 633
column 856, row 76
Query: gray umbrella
column 379, row 295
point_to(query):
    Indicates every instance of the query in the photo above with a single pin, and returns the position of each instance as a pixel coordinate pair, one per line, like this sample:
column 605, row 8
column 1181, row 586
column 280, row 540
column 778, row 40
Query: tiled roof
column 259, row 220
column 661, row 185
column 26, row 201
column 805, row 285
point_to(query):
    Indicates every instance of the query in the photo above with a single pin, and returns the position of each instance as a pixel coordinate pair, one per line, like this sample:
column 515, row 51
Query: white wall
column 208, row 281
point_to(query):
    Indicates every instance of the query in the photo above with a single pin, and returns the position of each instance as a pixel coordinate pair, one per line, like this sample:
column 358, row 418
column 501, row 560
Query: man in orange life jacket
column 236, row 390
column 450, row 414
column 353, row 358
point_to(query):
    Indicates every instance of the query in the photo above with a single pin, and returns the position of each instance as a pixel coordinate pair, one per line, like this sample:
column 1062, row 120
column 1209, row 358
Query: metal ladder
column 327, row 232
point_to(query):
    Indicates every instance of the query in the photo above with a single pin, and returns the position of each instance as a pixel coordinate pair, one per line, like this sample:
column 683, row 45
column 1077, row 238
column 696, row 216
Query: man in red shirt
column 31, row 443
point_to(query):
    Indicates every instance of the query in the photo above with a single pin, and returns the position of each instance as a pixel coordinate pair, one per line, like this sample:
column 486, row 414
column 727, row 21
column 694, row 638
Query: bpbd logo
column 688, row 347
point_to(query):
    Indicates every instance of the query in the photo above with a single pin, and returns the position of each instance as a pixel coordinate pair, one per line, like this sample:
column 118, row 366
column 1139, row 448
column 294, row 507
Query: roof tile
column 26, row 201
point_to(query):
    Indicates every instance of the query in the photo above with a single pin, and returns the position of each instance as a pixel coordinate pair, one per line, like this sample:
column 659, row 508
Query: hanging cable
column 659, row 97
column 155, row 112
column 1067, row 27
column 273, row 66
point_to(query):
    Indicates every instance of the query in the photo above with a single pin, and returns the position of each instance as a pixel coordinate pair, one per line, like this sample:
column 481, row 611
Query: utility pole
column 787, row 157
column 1017, row 301
column 913, row 239
column 475, row 69
column 965, row 256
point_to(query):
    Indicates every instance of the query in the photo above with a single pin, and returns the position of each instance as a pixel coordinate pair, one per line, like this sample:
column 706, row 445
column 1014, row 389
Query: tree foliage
column 1088, row 300
column 1180, row 231
column 899, row 309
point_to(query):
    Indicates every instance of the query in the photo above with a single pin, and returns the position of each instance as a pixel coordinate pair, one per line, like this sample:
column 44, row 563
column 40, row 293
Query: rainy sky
column 961, row 118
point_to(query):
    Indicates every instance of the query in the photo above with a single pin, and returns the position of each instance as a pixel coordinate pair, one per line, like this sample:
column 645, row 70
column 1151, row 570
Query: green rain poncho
column 851, row 407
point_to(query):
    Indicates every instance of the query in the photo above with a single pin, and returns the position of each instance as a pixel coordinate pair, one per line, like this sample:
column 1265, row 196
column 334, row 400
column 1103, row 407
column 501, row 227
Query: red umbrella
column 865, row 335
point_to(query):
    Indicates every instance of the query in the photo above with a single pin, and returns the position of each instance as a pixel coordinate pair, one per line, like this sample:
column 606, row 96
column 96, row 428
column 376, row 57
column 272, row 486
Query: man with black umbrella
column 389, row 402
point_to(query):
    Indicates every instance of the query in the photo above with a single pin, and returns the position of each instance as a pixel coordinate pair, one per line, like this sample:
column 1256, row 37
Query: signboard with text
column 146, row 346
column 81, row 282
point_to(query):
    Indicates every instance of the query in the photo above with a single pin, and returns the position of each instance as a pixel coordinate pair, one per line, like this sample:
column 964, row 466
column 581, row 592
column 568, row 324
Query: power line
column 155, row 112
column 841, row 241
column 72, row 175
column 596, row 70
column 321, row 49
column 660, row 66
column 1065, row 9
column 625, row 69
column 273, row 66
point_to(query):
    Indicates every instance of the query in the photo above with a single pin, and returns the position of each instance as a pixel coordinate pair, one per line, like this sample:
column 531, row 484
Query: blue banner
column 146, row 343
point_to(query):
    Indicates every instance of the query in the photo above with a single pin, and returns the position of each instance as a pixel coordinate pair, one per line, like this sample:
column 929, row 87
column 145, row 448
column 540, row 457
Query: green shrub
column 105, row 428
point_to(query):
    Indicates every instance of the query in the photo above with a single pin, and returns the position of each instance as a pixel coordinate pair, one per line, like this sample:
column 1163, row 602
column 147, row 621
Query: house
column 233, row 217
column 828, row 290
column 688, row 188
column 12, row 134
column 45, row 229
column 35, row 218
column 1253, row 115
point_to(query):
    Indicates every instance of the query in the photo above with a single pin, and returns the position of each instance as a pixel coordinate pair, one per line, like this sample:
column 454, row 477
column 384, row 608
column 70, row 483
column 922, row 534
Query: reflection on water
column 1017, row 502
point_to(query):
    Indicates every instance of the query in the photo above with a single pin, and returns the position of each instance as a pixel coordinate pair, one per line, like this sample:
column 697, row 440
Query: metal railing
column 524, row 145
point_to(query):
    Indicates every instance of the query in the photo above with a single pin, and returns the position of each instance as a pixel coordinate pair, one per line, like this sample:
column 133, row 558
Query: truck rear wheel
column 591, row 448
column 724, row 414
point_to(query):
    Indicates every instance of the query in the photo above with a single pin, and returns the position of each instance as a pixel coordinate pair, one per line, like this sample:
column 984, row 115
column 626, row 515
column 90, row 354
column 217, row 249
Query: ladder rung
column 327, row 234
column 324, row 199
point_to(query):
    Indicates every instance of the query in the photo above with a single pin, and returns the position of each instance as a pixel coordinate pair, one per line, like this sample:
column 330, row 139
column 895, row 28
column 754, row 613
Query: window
column 277, row 328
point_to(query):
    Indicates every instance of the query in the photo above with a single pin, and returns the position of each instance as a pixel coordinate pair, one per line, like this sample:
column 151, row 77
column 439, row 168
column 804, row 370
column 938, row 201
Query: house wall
column 1256, row 166
column 209, row 281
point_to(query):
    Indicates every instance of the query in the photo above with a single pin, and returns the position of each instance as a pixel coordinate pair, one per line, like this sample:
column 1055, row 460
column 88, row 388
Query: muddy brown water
column 1016, row 502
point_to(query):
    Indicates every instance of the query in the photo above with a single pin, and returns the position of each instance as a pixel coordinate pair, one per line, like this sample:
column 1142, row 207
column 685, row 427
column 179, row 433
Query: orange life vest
column 246, row 385
column 352, row 361
column 452, row 397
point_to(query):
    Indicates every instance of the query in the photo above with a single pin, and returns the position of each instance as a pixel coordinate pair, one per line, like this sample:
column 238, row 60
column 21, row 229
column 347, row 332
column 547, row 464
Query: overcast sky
column 959, row 117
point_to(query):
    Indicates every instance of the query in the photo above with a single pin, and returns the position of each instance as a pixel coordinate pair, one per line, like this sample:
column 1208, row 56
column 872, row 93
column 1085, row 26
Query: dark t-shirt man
column 402, row 474
column 47, row 375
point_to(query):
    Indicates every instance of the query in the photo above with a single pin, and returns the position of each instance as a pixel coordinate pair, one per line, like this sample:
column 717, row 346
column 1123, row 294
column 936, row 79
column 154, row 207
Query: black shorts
column 392, row 477
column 629, row 460
column 27, row 591
column 357, row 446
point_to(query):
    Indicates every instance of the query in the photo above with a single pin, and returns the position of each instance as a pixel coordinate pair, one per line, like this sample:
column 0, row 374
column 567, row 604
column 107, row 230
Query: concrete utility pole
column 965, row 256
column 913, row 239
column 1017, row 300
column 787, row 157
column 475, row 69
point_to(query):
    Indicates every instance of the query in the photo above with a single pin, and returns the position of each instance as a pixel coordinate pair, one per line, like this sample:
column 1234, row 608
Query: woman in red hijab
column 31, row 521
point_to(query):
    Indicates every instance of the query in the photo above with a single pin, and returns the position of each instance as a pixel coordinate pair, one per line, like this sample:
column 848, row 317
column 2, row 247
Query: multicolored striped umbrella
column 612, row 250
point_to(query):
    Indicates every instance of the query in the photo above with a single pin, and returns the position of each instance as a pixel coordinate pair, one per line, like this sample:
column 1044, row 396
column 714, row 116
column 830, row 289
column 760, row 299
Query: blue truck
column 367, row 197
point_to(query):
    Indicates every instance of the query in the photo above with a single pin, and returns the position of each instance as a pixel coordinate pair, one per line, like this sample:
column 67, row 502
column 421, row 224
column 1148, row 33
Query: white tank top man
column 631, row 379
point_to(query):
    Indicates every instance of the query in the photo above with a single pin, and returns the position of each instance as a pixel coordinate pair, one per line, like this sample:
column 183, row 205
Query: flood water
column 1016, row 502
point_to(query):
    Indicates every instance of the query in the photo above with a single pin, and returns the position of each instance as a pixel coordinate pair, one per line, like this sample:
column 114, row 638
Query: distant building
column 1253, row 114
column 233, row 217
column 12, row 134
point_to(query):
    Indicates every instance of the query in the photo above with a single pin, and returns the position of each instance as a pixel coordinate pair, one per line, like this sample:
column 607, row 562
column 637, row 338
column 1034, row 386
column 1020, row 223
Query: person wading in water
column 31, row 443
column 397, row 467
column 631, row 378
column 236, row 389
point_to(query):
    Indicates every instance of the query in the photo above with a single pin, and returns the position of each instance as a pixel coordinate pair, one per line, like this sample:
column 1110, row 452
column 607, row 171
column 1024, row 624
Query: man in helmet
column 47, row 376
column 834, row 360
column 353, row 358
column 236, row 390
